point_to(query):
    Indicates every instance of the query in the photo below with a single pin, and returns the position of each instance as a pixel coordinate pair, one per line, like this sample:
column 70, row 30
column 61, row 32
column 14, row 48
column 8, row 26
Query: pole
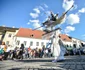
column 38, row 27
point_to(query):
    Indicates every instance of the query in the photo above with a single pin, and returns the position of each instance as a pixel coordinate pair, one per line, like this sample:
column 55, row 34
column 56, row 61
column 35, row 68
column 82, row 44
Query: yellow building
column 7, row 34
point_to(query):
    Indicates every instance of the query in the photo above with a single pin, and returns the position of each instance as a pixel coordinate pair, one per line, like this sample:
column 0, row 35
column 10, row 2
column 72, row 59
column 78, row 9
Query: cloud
column 34, row 21
column 36, row 24
column 67, row 34
column 73, row 19
column 41, row 8
column 82, row 10
column 75, row 6
column 34, row 15
column 47, row 13
column 36, row 10
column 69, row 29
column 28, row 23
column 45, row 5
column 67, row 4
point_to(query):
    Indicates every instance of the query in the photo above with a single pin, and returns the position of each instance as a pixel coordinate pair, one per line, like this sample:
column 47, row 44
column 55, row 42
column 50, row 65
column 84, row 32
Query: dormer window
column 64, row 38
column 31, row 35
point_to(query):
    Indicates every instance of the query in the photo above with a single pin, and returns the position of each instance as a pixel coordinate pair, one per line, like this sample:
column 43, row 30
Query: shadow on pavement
column 38, row 60
column 35, row 60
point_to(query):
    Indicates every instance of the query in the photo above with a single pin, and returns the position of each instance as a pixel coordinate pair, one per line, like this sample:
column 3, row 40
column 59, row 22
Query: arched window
column 74, row 45
column 67, row 45
column 31, row 43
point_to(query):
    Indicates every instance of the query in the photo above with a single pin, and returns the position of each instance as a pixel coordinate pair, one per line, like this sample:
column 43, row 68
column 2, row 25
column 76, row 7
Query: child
column 1, row 53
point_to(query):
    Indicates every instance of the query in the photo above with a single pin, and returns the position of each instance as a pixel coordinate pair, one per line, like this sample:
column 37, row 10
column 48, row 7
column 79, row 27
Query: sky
column 32, row 13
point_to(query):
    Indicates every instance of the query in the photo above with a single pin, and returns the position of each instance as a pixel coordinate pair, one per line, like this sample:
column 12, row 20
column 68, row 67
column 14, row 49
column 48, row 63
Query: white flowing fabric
column 59, row 49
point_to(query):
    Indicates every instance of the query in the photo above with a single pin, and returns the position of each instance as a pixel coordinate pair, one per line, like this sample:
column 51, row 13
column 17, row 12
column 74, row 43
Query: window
column 7, row 42
column 74, row 41
column 9, row 35
column 31, row 43
column 37, row 43
column 82, row 44
column 25, row 42
column 67, row 46
column 18, row 42
column 42, row 43
column 74, row 45
column 31, row 35
column 70, row 37
column 64, row 38
column 70, row 46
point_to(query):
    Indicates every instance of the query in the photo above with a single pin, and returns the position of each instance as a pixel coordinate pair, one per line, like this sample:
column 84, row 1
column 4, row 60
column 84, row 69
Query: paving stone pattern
column 70, row 63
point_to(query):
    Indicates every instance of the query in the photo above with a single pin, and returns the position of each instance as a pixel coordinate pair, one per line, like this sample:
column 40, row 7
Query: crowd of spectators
column 22, row 52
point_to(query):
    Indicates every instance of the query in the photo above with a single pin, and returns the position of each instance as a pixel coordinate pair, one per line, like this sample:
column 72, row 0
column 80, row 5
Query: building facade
column 33, row 38
column 7, row 34
column 30, row 38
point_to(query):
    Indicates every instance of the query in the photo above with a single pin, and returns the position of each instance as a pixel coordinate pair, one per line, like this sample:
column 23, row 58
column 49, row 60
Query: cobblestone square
column 70, row 63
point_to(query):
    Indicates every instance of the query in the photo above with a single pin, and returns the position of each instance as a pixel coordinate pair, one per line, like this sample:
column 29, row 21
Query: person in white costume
column 59, row 49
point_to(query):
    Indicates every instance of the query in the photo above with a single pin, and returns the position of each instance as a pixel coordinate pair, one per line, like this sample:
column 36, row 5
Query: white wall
column 68, row 43
column 22, row 39
column 77, row 42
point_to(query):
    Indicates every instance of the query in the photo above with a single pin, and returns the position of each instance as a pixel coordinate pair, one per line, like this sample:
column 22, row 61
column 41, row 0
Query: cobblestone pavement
column 70, row 63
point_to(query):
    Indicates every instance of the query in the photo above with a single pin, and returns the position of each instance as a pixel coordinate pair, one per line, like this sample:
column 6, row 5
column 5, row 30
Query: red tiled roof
column 65, row 37
column 25, row 32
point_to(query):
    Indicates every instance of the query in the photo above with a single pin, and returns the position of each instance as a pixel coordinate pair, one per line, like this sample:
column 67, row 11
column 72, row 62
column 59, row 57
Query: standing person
column 43, row 50
column 14, row 53
column 29, row 52
column 49, row 52
column 26, row 53
column 8, row 51
column 1, row 53
column 5, row 49
column 74, row 51
column 22, row 50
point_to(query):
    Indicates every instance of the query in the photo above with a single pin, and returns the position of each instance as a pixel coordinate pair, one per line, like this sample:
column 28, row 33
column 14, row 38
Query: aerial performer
column 57, row 45
column 55, row 20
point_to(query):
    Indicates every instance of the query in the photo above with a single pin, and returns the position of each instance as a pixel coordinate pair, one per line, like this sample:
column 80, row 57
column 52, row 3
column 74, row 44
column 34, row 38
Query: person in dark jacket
column 21, row 51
